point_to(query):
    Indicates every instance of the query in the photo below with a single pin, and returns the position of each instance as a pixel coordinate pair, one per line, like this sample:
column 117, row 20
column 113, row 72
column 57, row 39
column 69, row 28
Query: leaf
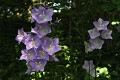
column 108, row 6
column 118, row 7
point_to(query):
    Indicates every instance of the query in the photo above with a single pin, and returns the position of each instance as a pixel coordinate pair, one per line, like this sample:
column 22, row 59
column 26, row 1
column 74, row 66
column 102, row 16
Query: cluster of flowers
column 39, row 47
column 99, row 31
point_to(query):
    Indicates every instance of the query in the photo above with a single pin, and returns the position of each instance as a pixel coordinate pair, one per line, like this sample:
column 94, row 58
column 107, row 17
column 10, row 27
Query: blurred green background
column 77, row 18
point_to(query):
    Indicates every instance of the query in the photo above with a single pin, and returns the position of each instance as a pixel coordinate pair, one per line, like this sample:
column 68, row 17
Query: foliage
column 76, row 19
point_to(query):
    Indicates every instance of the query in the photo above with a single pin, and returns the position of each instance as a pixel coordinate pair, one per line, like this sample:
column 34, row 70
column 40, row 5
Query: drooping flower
column 42, row 15
column 42, row 54
column 88, row 47
column 93, row 33
column 51, row 45
column 53, row 58
column 101, row 25
column 41, row 29
column 89, row 66
column 96, row 43
column 21, row 35
column 38, row 64
column 106, row 34
column 28, row 54
column 32, row 42
column 118, row 28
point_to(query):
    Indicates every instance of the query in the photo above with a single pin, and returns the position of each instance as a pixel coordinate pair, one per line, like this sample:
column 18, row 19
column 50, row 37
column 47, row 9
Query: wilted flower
column 51, row 45
column 106, row 34
column 42, row 29
column 21, row 35
column 101, row 25
column 42, row 15
column 93, row 33
column 96, row 43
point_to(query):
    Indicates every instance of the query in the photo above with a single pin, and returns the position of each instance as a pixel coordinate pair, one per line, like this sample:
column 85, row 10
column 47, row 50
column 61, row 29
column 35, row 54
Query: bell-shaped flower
column 93, row 33
column 38, row 64
column 28, row 54
column 30, row 69
column 53, row 58
column 42, row 29
column 88, row 47
column 106, row 34
column 21, row 35
column 32, row 42
column 42, row 14
column 101, row 25
column 41, row 54
column 89, row 66
column 96, row 43
column 51, row 45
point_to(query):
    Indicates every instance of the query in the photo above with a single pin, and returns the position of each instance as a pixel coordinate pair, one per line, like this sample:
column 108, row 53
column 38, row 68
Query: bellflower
column 93, row 33
column 51, row 45
column 21, row 35
column 42, row 14
column 101, row 25
column 38, row 64
column 89, row 66
column 88, row 47
column 33, row 42
column 106, row 34
column 42, row 29
column 41, row 54
column 53, row 58
column 28, row 54
column 96, row 43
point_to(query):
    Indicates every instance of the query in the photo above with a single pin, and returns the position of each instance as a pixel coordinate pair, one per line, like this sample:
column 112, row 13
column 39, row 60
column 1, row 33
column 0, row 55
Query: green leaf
column 108, row 6
column 118, row 7
column 116, row 1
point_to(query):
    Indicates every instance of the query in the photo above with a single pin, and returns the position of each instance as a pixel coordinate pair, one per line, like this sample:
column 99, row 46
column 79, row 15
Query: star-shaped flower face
column 38, row 64
column 41, row 30
column 106, row 34
column 96, row 43
column 93, row 33
column 28, row 54
column 41, row 54
column 33, row 42
column 42, row 15
column 88, row 47
column 21, row 35
column 51, row 45
column 101, row 25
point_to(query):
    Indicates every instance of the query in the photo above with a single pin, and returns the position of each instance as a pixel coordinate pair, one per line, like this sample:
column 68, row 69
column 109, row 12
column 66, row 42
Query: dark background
column 77, row 18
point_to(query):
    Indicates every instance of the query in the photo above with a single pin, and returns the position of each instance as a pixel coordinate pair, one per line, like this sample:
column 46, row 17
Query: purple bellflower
column 41, row 54
column 96, row 43
column 21, row 35
column 89, row 66
column 106, row 34
column 88, row 47
column 28, row 54
column 42, row 29
column 38, row 64
column 101, row 25
column 42, row 15
column 93, row 33
column 32, row 42
column 51, row 45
